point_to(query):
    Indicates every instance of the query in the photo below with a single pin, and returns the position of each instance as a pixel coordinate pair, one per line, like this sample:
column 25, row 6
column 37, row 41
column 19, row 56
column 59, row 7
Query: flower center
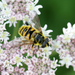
column 45, row 50
column 17, row 59
column 31, row 7
column 66, row 60
column 0, row 51
column 4, row 5
column 7, row 12
column 12, row 19
column 56, row 46
column 3, row 35
column 66, row 38
column 25, row 18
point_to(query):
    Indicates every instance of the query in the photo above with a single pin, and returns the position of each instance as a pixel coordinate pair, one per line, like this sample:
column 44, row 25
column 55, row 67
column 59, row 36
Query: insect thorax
column 39, row 39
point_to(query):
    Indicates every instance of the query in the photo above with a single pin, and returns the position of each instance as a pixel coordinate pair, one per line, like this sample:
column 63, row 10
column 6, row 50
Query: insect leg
column 26, row 44
column 38, row 46
column 24, row 40
column 27, row 41
column 32, row 46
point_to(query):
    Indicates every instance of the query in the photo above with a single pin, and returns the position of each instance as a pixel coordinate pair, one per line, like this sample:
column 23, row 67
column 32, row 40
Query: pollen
column 17, row 59
column 1, row 52
column 12, row 19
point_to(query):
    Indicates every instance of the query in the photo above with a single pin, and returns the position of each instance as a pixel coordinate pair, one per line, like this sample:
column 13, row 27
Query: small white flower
column 29, row 53
column 23, row 51
column 66, row 60
column 68, row 33
column 63, row 52
column 12, row 61
column 1, row 62
column 54, row 63
column 73, row 64
column 44, row 74
column 6, row 12
column 52, row 72
column 72, row 33
column 18, row 59
column 19, row 17
column 6, row 63
column 28, row 19
column 12, row 20
column 3, row 56
column 21, row 70
column 30, row 67
column 34, row 59
column 45, row 60
column 27, row 61
column 56, row 45
column 39, row 53
column 4, row 36
column 4, row 73
column 2, row 27
column 10, row 69
column 3, row 4
column 37, row 7
column 1, row 50
column 2, row 19
column 66, row 38
column 46, row 51
column 46, row 33
column 32, row 8
column 12, row 0
column 68, row 30
column 25, row 18
column 29, row 72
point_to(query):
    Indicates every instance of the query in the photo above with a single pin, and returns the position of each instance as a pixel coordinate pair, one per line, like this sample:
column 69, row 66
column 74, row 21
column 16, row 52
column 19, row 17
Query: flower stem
column 15, row 31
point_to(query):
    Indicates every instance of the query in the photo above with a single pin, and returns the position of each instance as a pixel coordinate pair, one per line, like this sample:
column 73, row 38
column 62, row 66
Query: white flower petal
column 45, row 27
column 36, row 1
column 37, row 9
column 69, row 25
column 10, row 24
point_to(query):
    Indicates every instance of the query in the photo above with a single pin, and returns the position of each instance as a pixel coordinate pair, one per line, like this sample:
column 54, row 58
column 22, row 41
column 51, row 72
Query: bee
column 33, row 36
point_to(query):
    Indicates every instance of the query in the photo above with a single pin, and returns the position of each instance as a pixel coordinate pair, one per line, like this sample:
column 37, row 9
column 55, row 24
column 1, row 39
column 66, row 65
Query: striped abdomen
column 26, row 31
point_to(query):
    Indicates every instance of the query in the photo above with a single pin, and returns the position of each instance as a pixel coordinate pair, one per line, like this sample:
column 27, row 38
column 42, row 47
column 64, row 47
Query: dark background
column 55, row 13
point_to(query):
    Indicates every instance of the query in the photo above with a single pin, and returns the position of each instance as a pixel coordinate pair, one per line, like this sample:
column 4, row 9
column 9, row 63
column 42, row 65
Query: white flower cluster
column 68, row 33
column 65, row 46
column 18, row 59
column 3, row 33
column 13, row 10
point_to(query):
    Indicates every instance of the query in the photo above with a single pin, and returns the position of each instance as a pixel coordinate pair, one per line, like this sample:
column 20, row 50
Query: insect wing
column 37, row 23
column 22, row 41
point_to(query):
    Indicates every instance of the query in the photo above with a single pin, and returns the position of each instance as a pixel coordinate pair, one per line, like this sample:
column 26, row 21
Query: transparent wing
column 37, row 23
column 17, row 42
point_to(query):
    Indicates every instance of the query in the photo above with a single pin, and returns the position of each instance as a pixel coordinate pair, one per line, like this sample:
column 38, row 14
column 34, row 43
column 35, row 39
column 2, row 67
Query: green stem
column 15, row 31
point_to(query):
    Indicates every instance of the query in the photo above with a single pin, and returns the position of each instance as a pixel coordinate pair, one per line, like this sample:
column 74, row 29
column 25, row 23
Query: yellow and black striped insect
column 34, row 35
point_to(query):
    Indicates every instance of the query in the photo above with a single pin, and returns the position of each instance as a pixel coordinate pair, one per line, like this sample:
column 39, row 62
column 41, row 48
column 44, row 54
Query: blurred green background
column 55, row 13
